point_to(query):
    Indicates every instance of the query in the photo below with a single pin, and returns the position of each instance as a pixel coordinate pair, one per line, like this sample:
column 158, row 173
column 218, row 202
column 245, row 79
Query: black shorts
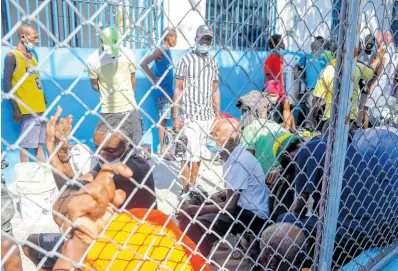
column 48, row 242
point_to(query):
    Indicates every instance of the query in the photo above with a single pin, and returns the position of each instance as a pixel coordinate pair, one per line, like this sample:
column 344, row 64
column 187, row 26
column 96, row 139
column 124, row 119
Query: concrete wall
column 65, row 69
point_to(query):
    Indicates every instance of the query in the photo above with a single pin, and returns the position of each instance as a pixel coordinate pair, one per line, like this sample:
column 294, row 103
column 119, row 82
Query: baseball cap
column 202, row 31
column 110, row 37
column 252, row 106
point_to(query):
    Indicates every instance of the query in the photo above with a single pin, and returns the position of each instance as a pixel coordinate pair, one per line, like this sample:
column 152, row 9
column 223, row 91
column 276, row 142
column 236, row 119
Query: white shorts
column 197, row 132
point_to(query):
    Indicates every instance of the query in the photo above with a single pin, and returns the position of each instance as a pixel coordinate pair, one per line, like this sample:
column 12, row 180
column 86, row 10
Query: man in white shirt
column 111, row 69
column 245, row 198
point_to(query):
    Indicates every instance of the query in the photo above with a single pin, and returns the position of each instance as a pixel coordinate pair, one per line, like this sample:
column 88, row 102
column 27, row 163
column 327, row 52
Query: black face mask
column 369, row 46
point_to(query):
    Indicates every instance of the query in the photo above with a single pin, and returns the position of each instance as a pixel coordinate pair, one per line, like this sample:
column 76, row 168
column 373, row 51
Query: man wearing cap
column 111, row 69
column 197, row 98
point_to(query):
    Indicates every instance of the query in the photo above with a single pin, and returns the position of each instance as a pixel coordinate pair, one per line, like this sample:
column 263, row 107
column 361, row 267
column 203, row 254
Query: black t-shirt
column 143, row 197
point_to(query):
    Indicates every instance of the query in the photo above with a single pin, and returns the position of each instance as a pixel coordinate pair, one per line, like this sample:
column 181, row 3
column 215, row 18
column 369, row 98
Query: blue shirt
column 369, row 198
column 244, row 173
column 165, row 66
column 313, row 68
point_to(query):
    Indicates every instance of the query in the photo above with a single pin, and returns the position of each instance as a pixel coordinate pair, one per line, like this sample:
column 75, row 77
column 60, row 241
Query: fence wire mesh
column 277, row 125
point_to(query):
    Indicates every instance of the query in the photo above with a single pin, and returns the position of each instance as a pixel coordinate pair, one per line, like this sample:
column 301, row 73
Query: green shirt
column 265, row 137
column 114, row 79
column 328, row 55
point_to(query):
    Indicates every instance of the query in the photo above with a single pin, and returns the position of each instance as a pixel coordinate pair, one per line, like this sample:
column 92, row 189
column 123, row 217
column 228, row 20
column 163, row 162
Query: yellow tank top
column 30, row 91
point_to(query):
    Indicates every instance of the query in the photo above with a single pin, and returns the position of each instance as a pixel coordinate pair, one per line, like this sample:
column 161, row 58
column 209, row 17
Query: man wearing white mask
column 197, row 98
column 111, row 70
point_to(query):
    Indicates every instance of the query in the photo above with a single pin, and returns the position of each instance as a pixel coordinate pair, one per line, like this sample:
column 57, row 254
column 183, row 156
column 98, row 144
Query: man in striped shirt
column 198, row 97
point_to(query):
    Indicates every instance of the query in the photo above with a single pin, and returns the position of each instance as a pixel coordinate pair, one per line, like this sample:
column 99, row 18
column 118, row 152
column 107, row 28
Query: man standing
column 31, row 99
column 111, row 69
column 198, row 97
column 163, row 71
column 273, row 71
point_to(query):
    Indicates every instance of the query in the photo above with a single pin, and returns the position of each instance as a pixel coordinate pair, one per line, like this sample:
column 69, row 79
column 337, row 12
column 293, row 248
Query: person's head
column 253, row 106
column 28, row 36
column 283, row 247
column 316, row 48
column 203, row 39
column 276, row 42
column 320, row 39
column 370, row 42
column 110, row 40
column 224, row 136
column 286, row 148
column 170, row 36
column 331, row 45
column 115, row 143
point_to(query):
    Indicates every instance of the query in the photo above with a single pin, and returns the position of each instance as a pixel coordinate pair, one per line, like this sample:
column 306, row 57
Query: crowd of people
column 271, row 172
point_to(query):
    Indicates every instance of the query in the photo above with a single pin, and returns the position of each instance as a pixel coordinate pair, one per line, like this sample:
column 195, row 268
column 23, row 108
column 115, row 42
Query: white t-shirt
column 243, row 172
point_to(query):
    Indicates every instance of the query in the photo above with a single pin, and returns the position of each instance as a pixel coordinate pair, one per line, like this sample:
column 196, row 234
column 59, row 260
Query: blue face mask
column 203, row 49
column 29, row 46
column 211, row 145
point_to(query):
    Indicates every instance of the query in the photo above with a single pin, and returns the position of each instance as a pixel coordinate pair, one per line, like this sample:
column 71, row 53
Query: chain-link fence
column 199, row 135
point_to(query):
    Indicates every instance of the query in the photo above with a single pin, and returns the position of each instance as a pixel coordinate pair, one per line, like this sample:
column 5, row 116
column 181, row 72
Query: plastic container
column 36, row 189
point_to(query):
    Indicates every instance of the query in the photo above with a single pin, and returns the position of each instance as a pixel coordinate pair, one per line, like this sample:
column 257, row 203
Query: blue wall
column 65, row 69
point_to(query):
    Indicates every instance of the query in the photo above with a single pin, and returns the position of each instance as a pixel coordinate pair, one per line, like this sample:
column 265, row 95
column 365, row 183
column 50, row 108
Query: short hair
column 167, row 31
column 23, row 28
column 370, row 38
column 331, row 45
column 283, row 247
column 109, row 122
column 316, row 45
column 320, row 39
column 274, row 41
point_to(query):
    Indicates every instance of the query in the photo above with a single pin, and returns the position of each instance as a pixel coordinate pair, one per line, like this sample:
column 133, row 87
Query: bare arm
column 176, row 104
column 230, row 203
column 299, row 207
column 94, row 84
column 216, row 99
column 133, row 81
column 266, row 78
column 9, row 67
column 157, row 54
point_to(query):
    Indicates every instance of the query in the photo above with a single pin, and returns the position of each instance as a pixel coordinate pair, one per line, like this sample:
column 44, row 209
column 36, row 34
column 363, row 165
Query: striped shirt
column 198, row 73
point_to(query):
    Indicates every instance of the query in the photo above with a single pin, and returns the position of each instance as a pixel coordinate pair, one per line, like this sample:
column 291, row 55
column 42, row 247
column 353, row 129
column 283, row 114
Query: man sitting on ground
column 270, row 144
column 369, row 196
column 283, row 247
column 244, row 201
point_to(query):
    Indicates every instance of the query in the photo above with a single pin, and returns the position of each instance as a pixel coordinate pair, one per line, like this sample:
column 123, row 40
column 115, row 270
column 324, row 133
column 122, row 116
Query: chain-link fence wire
column 297, row 172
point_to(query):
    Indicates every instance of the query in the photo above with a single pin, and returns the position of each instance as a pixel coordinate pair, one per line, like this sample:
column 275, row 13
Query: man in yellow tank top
column 22, row 78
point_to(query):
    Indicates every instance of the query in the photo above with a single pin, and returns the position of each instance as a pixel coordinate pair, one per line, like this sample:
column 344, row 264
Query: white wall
column 300, row 21
column 180, row 14
column 375, row 15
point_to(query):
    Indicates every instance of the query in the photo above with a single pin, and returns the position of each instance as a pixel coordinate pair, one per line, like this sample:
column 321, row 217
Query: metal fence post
column 342, row 127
